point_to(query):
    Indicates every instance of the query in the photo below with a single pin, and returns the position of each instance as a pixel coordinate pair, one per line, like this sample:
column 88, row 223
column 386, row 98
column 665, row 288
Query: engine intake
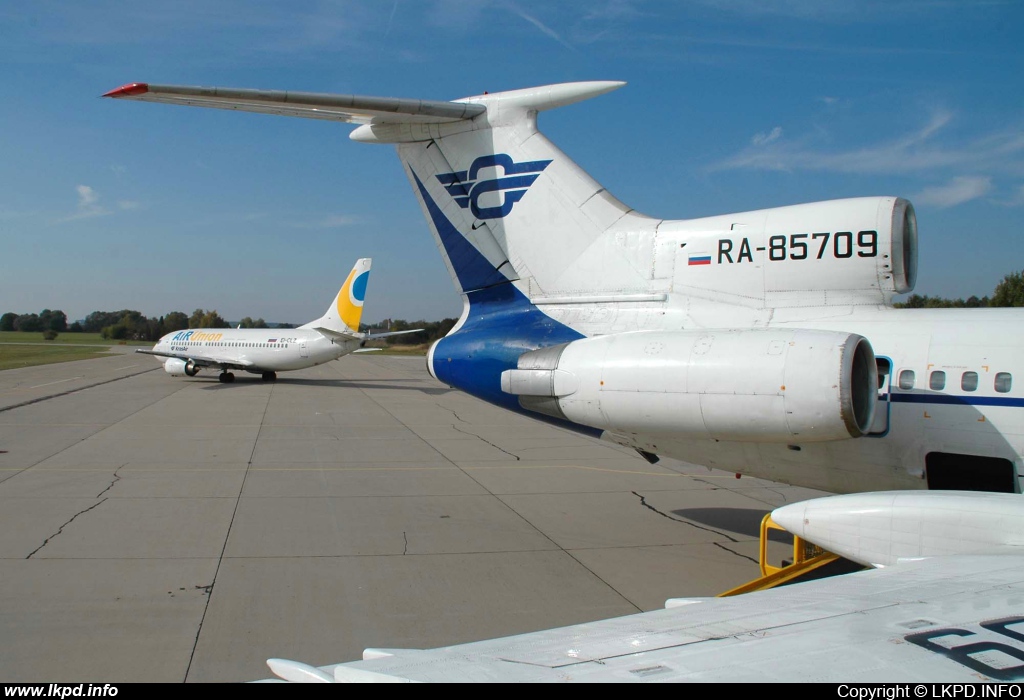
column 747, row 385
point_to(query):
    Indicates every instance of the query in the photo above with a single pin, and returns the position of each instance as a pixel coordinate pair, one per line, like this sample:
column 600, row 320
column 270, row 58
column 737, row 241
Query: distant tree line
column 1009, row 292
column 132, row 325
column 46, row 320
column 126, row 324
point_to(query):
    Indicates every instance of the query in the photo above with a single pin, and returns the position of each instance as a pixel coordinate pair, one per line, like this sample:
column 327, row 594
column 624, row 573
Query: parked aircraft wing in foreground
column 760, row 342
column 948, row 606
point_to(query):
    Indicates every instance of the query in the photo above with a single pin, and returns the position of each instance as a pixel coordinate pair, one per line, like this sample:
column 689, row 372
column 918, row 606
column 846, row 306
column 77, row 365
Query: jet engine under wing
column 215, row 362
column 952, row 618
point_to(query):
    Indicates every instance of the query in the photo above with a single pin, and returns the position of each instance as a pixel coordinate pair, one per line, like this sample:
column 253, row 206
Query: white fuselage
column 911, row 422
column 559, row 270
column 269, row 350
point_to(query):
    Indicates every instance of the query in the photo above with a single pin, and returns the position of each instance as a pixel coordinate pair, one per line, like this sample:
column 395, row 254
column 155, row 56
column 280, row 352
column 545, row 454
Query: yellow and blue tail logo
column 346, row 311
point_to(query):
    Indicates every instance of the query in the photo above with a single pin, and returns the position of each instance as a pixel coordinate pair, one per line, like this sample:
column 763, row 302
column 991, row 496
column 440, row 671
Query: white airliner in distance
column 762, row 342
column 267, row 351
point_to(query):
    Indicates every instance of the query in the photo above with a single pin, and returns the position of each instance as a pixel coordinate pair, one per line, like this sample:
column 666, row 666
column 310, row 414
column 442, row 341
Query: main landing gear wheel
column 227, row 377
column 269, row 376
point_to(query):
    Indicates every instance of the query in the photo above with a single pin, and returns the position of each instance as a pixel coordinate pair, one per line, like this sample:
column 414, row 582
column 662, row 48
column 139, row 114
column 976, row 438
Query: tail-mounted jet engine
column 180, row 368
column 746, row 385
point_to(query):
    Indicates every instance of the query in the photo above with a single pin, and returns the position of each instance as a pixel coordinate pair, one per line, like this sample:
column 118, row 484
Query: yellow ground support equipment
column 807, row 559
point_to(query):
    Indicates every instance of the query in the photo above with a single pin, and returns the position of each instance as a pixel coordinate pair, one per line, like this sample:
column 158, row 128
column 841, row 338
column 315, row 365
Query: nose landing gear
column 269, row 376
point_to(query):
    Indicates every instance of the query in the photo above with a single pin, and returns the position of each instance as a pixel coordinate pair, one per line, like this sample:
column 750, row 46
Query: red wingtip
column 128, row 90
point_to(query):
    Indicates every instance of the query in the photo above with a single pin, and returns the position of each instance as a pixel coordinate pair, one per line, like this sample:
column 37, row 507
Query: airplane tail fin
column 506, row 204
column 344, row 313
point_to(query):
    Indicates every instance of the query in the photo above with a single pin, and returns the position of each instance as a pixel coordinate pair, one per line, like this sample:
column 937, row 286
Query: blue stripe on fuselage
column 500, row 326
column 950, row 399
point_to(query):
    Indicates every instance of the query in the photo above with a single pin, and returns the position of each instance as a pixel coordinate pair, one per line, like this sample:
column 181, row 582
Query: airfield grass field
column 15, row 356
column 66, row 339
column 19, row 349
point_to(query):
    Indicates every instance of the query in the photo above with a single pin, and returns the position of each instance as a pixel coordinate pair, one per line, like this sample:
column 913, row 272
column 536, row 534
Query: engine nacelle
column 747, row 385
column 846, row 251
column 174, row 367
column 181, row 368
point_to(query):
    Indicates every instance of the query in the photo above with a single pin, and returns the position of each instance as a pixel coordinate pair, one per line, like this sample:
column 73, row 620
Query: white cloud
column 544, row 29
column 763, row 139
column 915, row 151
column 86, row 197
column 88, row 205
column 956, row 191
column 808, row 10
column 125, row 205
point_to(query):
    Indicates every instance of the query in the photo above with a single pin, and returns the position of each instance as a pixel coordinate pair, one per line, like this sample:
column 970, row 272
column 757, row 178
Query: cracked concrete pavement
column 172, row 529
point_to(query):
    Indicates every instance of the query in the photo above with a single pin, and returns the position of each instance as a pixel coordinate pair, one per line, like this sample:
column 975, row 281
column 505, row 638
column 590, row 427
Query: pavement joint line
column 557, row 547
column 73, row 391
column 59, row 381
column 227, row 535
column 17, row 470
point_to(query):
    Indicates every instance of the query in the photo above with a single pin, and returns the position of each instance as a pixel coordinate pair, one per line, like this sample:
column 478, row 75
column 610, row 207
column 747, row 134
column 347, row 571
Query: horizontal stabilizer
column 354, row 109
column 374, row 336
column 339, row 335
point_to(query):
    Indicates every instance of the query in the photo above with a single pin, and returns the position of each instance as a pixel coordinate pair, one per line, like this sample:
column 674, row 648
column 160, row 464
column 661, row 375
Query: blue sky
column 731, row 105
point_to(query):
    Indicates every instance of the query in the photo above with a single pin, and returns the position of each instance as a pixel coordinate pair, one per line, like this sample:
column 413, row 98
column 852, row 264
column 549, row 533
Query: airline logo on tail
column 466, row 190
column 350, row 300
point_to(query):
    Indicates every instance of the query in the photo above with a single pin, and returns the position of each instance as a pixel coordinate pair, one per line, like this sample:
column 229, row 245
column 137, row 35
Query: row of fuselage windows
column 234, row 345
column 1002, row 382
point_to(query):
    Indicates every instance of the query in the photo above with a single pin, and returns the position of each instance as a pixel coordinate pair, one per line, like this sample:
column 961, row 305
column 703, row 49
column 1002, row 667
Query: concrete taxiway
column 178, row 529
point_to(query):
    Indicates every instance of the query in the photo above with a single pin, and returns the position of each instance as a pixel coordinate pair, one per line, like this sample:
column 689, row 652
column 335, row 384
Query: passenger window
column 969, row 381
column 1004, row 380
column 907, row 379
column 937, row 382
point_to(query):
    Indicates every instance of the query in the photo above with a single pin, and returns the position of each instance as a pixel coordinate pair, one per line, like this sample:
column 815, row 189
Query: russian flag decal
column 700, row 259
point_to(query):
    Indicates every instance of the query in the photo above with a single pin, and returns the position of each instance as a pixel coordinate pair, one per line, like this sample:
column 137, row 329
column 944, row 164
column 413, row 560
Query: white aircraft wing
column 355, row 109
column 952, row 618
column 216, row 362
column 956, row 619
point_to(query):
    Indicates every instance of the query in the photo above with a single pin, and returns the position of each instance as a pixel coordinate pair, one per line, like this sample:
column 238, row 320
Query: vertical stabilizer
column 506, row 204
column 345, row 312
